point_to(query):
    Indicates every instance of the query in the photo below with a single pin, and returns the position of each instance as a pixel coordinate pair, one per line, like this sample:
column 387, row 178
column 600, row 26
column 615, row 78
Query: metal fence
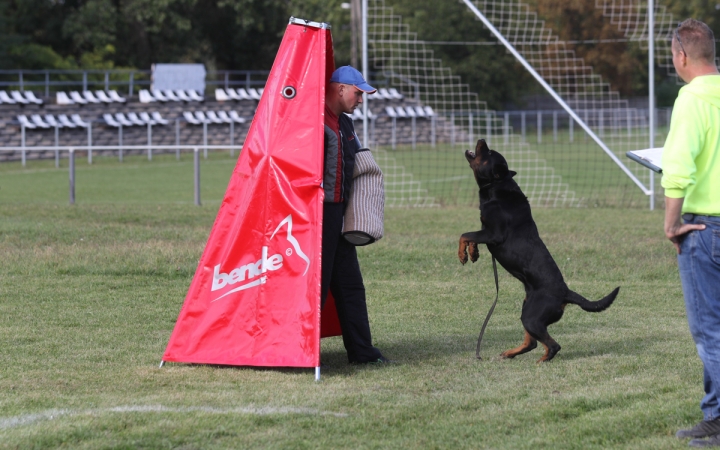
column 71, row 151
column 90, row 147
column 130, row 81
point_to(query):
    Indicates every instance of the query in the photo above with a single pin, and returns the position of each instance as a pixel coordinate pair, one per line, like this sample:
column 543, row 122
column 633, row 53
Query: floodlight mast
column 365, row 70
column 651, row 91
column 555, row 95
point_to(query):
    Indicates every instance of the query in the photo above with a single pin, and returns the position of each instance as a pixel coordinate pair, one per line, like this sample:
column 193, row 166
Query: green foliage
column 489, row 70
column 666, row 92
column 245, row 34
column 329, row 11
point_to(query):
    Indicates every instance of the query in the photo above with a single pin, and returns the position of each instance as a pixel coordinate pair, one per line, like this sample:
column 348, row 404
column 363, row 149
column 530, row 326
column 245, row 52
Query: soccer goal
column 570, row 154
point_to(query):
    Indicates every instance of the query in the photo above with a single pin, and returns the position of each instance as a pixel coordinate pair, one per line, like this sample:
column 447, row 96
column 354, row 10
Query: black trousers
column 341, row 276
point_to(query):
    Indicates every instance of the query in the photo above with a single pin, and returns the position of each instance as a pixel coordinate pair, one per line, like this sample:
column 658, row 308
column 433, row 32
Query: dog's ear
column 499, row 171
column 511, row 173
column 499, row 165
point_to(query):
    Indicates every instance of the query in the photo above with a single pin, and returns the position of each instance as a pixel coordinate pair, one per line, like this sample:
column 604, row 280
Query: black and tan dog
column 511, row 236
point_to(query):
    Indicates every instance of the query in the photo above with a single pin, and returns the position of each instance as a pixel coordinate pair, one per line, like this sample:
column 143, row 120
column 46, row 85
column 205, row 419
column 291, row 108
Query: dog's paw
column 508, row 354
column 474, row 253
column 462, row 251
column 462, row 256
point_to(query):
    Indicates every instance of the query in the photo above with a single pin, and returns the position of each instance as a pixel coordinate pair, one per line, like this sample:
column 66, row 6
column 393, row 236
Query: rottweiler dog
column 512, row 237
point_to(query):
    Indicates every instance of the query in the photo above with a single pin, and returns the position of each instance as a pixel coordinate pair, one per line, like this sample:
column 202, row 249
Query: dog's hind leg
column 536, row 318
column 551, row 349
column 539, row 332
column 529, row 343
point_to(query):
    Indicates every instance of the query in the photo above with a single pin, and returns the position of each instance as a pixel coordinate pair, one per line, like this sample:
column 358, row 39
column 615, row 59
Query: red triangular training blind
column 255, row 298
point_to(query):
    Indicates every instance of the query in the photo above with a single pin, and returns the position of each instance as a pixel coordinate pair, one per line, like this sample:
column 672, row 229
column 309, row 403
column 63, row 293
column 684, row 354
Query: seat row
column 223, row 95
column 198, row 118
column 154, row 118
column 386, row 94
column 201, row 117
column 409, row 111
column 169, row 95
column 134, row 119
column 49, row 121
column 17, row 97
column 358, row 114
column 86, row 97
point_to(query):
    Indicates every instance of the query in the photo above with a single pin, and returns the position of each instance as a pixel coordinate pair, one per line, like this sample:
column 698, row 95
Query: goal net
column 557, row 164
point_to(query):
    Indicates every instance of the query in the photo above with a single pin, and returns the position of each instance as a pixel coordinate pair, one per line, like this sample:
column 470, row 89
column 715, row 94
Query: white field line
column 52, row 414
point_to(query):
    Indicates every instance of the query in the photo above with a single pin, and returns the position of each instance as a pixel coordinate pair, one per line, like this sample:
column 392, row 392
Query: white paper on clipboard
column 649, row 157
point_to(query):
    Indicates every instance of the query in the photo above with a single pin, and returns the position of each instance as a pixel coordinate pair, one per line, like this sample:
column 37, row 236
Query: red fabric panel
column 255, row 297
column 329, row 322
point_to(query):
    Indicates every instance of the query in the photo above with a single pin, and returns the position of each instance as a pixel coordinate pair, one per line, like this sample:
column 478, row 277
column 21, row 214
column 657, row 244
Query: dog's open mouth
column 469, row 154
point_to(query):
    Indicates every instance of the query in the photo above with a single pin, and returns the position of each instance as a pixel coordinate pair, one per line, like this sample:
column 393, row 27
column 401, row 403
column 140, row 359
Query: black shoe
column 714, row 441
column 380, row 360
column 703, row 429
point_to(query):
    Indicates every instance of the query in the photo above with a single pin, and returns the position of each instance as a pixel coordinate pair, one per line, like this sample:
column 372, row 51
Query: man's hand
column 674, row 228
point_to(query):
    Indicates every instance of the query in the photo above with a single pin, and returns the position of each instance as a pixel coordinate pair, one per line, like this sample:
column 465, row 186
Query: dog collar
column 486, row 185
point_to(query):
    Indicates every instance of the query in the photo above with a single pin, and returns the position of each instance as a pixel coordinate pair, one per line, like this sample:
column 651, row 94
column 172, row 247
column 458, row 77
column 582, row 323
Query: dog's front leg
column 468, row 244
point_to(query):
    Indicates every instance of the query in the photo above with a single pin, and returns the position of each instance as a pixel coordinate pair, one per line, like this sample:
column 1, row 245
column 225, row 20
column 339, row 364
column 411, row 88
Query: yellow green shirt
column 691, row 155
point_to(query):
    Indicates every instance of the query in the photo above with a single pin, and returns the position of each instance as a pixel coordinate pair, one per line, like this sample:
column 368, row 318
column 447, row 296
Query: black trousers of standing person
column 341, row 276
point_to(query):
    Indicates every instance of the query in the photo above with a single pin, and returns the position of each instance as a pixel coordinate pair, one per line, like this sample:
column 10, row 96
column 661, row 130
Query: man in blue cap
column 340, row 267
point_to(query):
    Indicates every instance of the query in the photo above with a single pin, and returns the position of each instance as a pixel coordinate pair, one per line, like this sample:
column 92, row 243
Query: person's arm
column 674, row 228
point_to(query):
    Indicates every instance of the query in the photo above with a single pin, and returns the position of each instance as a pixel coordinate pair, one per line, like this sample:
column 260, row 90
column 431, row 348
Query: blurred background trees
column 245, row 35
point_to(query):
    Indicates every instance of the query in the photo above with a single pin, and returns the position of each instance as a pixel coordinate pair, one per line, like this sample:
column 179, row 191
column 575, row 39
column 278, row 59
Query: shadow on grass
column 459, row 349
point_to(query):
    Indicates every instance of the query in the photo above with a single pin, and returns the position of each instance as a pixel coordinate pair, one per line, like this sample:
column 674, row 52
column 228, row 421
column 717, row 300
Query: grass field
column 90, row 293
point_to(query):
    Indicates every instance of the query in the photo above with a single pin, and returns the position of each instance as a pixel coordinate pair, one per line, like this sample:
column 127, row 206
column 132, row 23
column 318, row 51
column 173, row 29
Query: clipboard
column 649, row 157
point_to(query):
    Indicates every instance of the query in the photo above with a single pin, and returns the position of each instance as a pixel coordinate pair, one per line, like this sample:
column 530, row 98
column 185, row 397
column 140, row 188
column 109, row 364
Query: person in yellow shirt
column 691, row 179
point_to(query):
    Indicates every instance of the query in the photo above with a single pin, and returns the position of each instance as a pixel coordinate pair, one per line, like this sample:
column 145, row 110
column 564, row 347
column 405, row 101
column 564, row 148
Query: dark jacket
column 338, row 175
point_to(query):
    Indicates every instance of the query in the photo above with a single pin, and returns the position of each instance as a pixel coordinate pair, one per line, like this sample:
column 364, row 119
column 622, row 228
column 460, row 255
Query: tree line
column 245, row 35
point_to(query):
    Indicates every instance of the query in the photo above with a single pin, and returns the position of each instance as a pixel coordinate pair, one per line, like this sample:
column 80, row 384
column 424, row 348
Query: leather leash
column 487, row 318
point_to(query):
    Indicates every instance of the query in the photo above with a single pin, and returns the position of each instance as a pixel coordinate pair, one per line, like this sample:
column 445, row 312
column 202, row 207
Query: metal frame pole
column 488, row 126
column 177, row 139
column 452, row 129
column 433, row 136
column 57, row 144
column 71, row 171
column 89, row 142
column 22, row 144
column 149, row 139
column 196, row 170
column 651, row 91
column 365, row 68
column 394, row 133
column 539, row 127
column 506, row 128
column 205, row 139
column 412, row 125
column 470, row 131
column 232, row 139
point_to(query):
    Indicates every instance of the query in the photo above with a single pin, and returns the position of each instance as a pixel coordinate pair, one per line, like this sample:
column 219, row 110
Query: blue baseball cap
column 350, row 75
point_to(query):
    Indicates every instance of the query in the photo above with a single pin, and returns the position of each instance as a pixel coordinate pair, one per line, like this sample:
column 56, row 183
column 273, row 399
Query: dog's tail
column 600, row 305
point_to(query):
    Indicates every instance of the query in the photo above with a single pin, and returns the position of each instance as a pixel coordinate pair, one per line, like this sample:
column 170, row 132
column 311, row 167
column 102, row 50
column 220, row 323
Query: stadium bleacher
column 174, row 116
column 17, row 97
